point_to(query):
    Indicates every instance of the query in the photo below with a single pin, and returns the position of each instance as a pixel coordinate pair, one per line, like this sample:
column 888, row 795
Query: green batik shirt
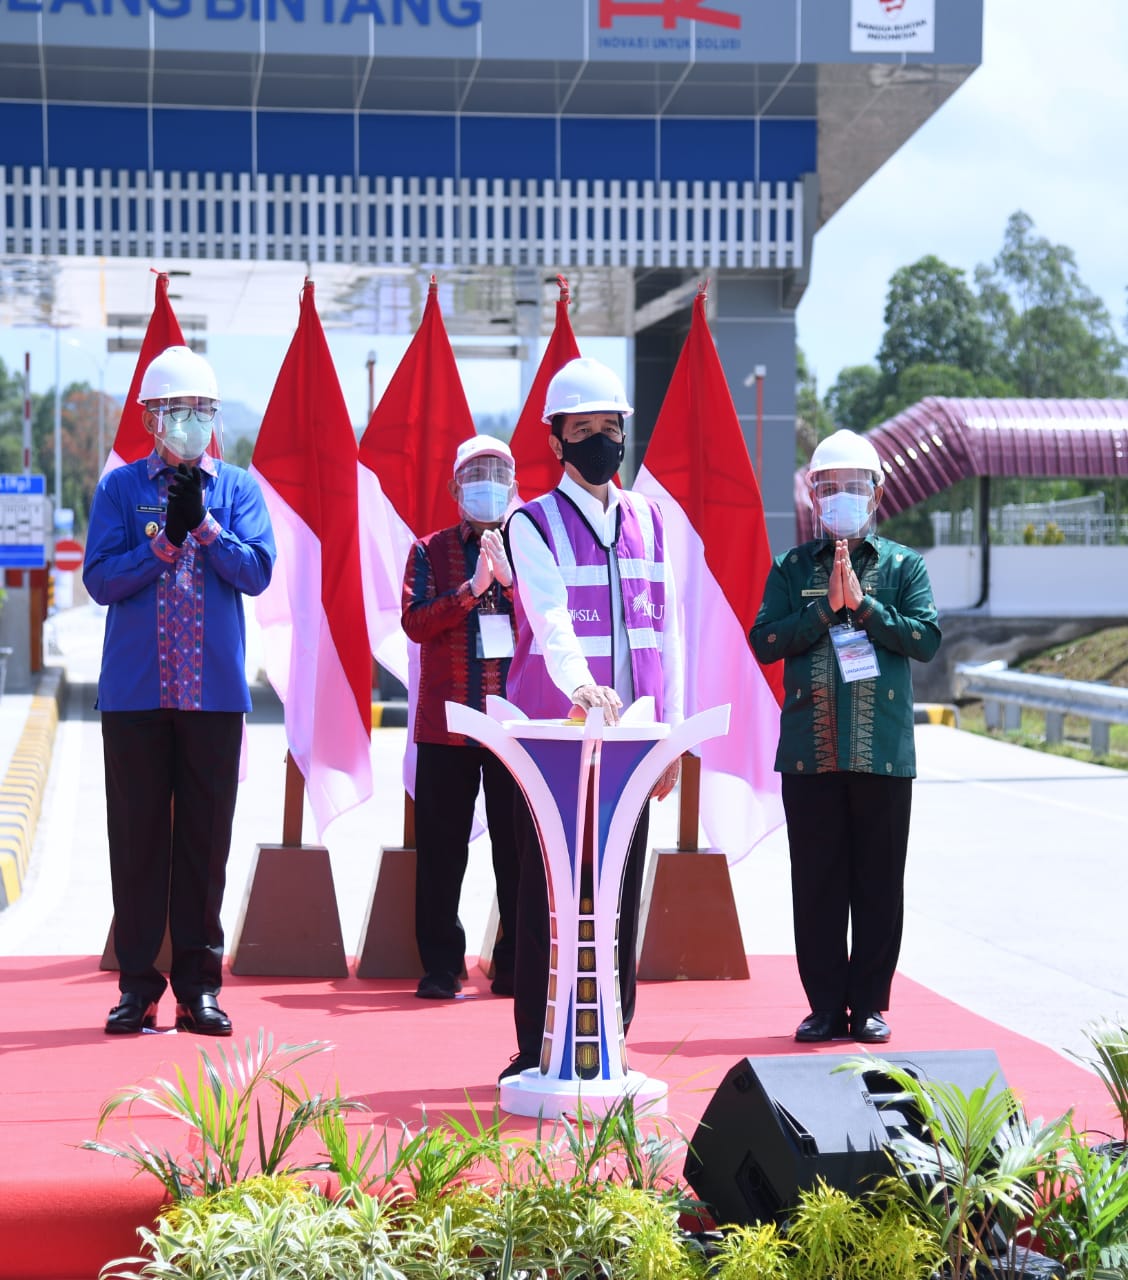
column 826, row 724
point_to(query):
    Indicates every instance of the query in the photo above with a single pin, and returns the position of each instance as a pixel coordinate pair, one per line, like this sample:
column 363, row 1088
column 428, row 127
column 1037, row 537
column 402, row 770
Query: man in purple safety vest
column 596, row 627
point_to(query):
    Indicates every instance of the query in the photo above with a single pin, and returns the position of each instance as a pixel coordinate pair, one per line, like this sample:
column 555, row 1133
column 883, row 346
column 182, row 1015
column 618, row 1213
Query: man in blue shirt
column 175, row 542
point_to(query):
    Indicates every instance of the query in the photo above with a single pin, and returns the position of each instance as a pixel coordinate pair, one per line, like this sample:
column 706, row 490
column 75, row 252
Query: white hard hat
column 585, row 386
column 845, row 451
column 482, row 446
column 177, row 371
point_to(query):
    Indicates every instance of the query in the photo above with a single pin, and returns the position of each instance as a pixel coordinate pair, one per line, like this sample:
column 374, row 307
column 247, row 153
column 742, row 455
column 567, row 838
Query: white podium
column 567, row 772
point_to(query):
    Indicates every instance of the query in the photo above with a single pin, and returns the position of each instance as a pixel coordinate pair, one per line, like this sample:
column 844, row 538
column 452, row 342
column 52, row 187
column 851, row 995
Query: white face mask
column 187, row 440
column 845, row 515
column 483, row 500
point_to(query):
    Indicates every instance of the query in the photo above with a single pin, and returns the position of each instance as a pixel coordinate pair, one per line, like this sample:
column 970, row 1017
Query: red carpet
column 64, row 1212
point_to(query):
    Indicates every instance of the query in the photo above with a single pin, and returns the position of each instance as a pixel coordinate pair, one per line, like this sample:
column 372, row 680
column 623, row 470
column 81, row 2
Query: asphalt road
column 1015, row 892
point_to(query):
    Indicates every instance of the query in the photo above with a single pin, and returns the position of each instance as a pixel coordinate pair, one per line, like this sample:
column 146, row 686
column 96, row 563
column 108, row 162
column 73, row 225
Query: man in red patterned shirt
column 458, row 607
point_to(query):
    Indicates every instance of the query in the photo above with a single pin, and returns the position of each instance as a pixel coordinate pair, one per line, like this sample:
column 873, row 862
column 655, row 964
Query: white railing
column 1077, row 522
column 397, row 221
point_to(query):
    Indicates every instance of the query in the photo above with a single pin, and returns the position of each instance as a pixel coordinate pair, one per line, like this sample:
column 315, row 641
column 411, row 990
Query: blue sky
column 1042, row 126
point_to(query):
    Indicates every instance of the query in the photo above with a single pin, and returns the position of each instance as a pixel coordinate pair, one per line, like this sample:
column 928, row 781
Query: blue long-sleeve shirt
column 175, row 631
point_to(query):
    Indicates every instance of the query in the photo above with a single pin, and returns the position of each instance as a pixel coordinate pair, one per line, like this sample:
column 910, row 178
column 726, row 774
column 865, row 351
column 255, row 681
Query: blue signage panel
column 22, row 484
column 16, row 557
column 711, row 31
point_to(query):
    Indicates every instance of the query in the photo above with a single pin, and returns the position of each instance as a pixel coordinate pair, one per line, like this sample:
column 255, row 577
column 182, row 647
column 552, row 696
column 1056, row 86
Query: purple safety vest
column 584, row 565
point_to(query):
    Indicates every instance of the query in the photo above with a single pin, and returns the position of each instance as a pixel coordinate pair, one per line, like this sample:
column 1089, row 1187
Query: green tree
column 919, row 381
column 1047, row 333
column 78, row 444
column 240, row 453
column 856, row 397
column 11, row 420
column 932, row 318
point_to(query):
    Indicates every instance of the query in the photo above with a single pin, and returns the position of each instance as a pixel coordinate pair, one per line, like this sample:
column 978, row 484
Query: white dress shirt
column 544, row 599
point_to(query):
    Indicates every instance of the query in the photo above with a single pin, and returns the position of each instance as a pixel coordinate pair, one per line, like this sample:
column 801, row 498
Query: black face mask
column 597, row 458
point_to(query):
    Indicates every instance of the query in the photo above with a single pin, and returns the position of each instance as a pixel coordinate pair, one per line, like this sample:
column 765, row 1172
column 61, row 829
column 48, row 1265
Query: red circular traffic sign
column 68, row 555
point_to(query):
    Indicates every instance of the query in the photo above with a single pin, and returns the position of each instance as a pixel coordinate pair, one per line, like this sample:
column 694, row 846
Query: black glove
column 186, row 496
column 175, row 528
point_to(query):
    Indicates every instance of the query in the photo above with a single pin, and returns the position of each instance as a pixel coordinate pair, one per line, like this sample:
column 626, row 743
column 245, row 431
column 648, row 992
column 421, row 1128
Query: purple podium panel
column 586, row 784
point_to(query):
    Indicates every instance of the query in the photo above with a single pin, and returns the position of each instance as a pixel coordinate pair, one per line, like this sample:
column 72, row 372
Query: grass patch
column 1100, row 658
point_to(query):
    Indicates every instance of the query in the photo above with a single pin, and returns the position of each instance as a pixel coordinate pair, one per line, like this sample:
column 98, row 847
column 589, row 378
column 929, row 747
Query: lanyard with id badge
column 857, row 658
column 495, row 632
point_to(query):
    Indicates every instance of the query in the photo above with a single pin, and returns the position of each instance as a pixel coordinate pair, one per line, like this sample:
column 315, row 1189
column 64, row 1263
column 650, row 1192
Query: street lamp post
column 757, row 376
column 58, row 428
column 760, row 373
column 370, row 364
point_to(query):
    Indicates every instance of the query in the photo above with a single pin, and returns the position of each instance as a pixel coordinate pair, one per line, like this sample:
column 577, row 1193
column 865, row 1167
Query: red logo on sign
column 670, row 11
column 891, row 6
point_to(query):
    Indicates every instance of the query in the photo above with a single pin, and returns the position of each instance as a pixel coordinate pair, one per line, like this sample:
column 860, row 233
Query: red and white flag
column 132, row 441
column 404, row 465
column 697, row 467
column 537, row 469
column 314, row 639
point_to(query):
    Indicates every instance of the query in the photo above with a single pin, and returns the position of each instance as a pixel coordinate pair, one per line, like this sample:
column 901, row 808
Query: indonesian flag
column 697, row 468
column 315, row 644
column 537, row 469
column 404, row 465
column 132, row 441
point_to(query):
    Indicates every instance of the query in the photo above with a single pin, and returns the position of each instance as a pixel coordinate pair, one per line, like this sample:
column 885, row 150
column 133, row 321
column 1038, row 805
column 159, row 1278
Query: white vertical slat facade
column 398, row 222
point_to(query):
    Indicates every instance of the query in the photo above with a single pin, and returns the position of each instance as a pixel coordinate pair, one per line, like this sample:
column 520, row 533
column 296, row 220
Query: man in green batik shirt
column 846, row 612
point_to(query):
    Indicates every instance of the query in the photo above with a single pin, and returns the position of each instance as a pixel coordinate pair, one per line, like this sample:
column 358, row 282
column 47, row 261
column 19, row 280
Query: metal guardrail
column 1005, row 693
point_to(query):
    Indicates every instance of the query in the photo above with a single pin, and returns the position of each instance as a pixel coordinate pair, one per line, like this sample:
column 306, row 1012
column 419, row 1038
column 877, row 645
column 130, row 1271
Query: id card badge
column 857, row 658
column 496, row 635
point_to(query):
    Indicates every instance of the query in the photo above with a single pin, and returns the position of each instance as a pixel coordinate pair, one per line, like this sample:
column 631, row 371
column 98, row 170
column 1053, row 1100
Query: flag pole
column 294, row 803
column 689, row 784
column 689, row 803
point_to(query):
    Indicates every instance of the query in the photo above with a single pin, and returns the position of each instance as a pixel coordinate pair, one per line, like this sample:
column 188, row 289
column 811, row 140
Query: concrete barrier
column 21, row 793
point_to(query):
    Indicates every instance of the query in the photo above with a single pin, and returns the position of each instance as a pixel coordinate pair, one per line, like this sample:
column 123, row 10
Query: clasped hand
column 185, row 503
column 845, row 590
column 493, row 564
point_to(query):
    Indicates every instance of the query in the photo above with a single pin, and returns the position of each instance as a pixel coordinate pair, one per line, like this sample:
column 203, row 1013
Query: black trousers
column 171, row 781
column 530, row 987
column 849, row 837
column 446, row 786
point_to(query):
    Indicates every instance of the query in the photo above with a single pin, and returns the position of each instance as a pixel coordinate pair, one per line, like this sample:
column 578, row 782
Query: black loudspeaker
column 777, row 1124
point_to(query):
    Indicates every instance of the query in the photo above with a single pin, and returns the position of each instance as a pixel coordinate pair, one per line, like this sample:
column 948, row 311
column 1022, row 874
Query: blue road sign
column 17, row 557
column 10, row 483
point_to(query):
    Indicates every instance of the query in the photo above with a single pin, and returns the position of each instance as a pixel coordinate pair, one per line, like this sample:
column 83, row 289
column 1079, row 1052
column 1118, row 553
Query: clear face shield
column 845, row 503
column 485, row 488
column 184, row 428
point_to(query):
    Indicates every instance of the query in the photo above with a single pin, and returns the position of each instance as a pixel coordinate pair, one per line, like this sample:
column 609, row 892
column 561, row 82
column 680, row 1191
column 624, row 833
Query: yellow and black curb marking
column 21, row 793
column 936, row 713
column 389, row 715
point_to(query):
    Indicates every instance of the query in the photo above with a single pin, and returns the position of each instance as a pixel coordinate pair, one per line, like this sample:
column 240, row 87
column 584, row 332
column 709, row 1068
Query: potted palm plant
column 969, row 1163
column 1109, row 1059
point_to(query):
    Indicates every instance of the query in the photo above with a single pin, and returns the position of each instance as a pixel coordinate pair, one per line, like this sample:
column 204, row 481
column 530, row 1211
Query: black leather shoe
column 131, row 1015
column 438, row 986
column 869, row 1028
column 502, row 984
column 822, row 1025
column 203, row 1016
column 518, row 1063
